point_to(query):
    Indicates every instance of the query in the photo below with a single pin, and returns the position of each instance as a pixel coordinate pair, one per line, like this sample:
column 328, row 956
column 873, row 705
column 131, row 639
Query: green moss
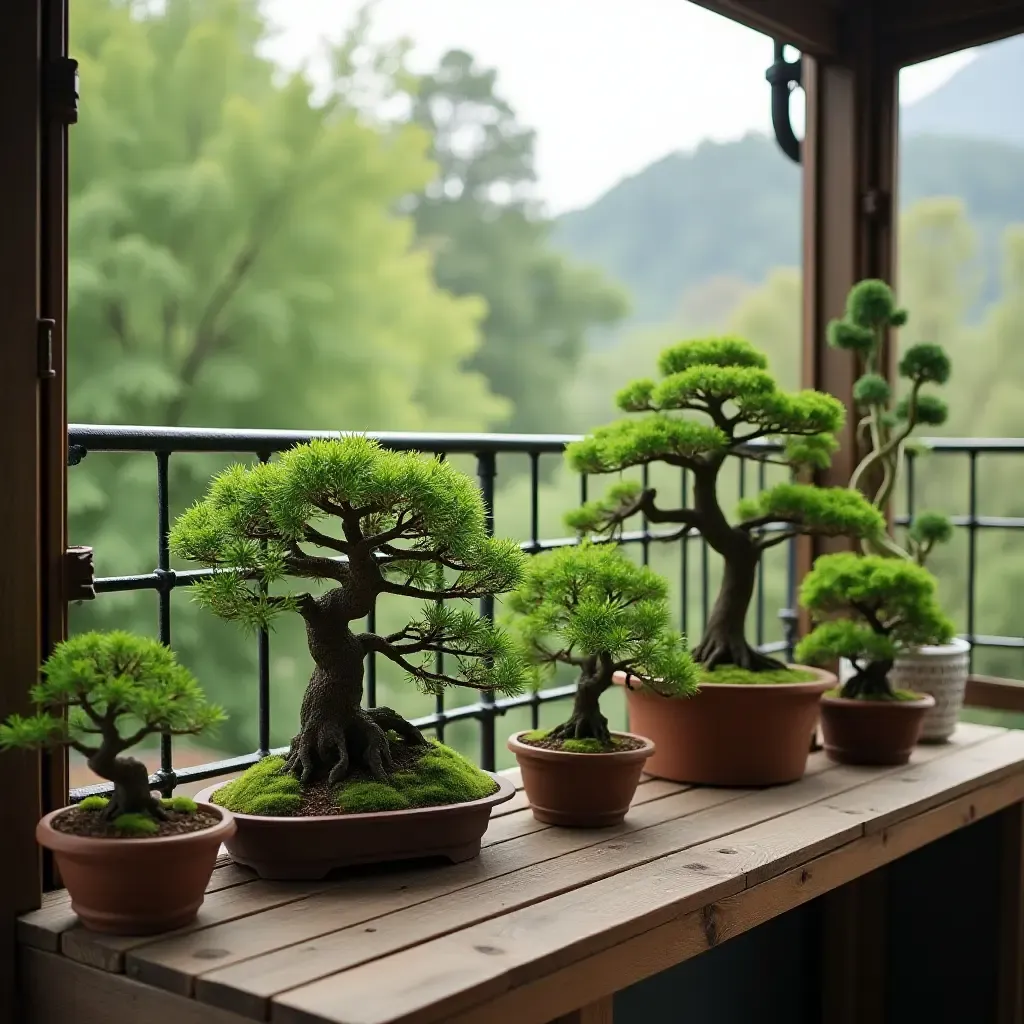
column 535, row 735
column 93, row 803
column 136, row 825
column 588, row 746
column 439, row 776
column 181, row 804
column 744, row 677
column 264, row 789
column 897, row 695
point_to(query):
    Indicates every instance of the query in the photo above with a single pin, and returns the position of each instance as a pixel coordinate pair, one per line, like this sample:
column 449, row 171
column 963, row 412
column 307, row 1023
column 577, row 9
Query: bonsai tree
column 102, row 694
column 592, row 608
column 869, row 608
column 726, row 382
column 886, row 422
column 368, row 522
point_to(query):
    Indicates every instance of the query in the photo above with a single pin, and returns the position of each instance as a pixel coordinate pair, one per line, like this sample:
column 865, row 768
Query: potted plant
column 869, row 607
column 752, row 717
column 358, row 784
column 133, row 864
column 591, row 608
column 884, row 433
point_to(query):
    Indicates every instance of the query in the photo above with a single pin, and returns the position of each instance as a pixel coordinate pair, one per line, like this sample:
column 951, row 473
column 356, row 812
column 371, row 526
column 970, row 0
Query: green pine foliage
column 887, row 422
column 868, row 608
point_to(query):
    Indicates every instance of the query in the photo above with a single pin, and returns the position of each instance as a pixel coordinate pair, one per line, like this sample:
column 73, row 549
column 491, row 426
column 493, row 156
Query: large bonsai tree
column 592, row 608
column 725, row 380
column 103, row 693
column 869, row 608
column 887, row 422
column 368, row 522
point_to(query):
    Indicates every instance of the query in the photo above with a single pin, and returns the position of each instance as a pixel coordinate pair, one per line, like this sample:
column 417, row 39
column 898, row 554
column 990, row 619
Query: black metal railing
column 164, row 442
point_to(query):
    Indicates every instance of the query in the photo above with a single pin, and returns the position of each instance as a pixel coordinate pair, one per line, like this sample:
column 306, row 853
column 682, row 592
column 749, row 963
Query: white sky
column 609, row 85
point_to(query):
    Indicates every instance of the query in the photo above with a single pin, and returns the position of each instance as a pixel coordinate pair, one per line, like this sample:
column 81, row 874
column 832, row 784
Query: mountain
column 982, row 100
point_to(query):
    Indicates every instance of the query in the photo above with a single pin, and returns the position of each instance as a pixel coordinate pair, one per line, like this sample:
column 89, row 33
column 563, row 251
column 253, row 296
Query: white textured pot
column 941, row 671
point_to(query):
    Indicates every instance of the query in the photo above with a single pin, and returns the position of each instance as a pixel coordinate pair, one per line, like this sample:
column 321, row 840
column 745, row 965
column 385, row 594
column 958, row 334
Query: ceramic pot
column 136, row 886
column 311, row 847
column 730, row 734
column 580, row 790
column 876, row 732
column 940, row 671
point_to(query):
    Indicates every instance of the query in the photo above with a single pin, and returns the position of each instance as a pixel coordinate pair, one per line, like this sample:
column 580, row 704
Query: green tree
column 480, row 219
column 236, row 261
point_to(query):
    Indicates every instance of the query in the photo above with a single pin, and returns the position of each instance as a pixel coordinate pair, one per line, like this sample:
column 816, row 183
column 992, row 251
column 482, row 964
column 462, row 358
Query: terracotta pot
column 581, row 790
column 730, row 734
column 881, row 732
column 940, row 671
column 136, row 886
column 311, row 847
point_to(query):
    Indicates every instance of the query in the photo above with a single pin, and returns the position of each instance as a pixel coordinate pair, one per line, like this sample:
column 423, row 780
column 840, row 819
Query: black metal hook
column 782, row 76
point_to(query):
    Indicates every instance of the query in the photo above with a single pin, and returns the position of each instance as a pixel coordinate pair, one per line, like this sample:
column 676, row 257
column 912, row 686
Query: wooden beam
column 995, row 694
column 811, row 27
column 918, row 30
column 849, row 199
column 20, row 498
column 601, row 1012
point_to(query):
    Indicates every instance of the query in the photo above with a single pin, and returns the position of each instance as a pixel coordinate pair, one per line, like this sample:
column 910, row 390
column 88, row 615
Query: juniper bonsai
column 869, row 608
column 103, row 693
column 592, row 608
column 726, row 381
column 884, row 430
column 400, row 524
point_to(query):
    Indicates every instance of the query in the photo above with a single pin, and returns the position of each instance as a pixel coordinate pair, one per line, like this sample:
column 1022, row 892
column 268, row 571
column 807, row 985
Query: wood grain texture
column 601, row 1012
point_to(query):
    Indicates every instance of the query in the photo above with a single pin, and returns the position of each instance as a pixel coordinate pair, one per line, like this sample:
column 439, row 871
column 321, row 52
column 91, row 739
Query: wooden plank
column 811, row 27
column 995, row 694
column 1011, row 912
column 57, row 990
column 601, row 1012
column 445, row 977
column 918, row 30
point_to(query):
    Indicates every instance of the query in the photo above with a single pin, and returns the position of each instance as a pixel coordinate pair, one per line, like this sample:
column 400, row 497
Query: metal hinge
column 44, row 348
column 79, row 578
column 62, row 90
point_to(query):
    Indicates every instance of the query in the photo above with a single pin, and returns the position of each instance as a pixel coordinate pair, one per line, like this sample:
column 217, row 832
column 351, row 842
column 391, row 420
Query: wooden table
column 548, row 923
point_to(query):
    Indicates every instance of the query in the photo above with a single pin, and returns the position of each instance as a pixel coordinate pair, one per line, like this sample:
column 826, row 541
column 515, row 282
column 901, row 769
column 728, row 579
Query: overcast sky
column 609, row 85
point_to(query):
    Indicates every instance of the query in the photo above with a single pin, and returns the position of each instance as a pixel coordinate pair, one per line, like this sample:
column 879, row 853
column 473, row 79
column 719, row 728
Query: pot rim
column 956, row 646
column 505, row 791
column 923, row 703
column 544, row 754
column 67, row 842
column 825, row 681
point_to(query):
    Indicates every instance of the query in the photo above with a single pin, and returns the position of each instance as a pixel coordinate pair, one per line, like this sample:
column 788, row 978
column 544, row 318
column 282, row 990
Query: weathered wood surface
column 547, row 920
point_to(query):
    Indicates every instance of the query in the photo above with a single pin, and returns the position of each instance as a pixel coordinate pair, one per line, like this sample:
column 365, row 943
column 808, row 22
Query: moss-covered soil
column 428, row 776
column 744, row 677
column 897, row 695
column 542, row 738
column 183, row 816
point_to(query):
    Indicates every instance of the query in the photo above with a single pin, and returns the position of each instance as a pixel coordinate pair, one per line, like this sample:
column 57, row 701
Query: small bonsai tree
column 724, row 380
column 402, row 525
column 869, row 607
column 103, row 693
column 592, row 608
column 886, row 423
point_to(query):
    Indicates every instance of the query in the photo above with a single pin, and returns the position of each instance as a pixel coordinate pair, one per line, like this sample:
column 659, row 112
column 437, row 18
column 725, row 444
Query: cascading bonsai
column 887, row 422
column 102, row 694
column 592, row 608
column 367, row 521
column 725, row 380
column 869, row 608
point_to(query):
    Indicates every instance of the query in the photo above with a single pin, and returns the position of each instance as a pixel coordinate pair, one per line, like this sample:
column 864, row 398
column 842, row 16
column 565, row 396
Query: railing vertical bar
column 972, row 550
column 486, row 465
column 439, row 666
column 684, row 558
column 534, row 547
column 762, row 483
column 911, row 464
column 165, row 774
column 645, row 526
column 263, row 659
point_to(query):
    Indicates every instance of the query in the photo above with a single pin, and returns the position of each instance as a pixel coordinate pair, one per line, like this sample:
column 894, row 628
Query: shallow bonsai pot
column 940, row 671
column 136, row 886
column 730, row 734
column 580, row 790
column 874, row 732
column 311, row 847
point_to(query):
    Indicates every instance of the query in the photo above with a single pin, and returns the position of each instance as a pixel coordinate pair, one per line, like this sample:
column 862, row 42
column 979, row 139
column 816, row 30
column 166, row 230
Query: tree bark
column 586, row 721
column 130, row 777
column 870, row 683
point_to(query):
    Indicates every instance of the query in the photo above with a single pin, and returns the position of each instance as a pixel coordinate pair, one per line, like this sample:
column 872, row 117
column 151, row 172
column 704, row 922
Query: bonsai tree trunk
column 586, row 721
column 870, row 682
column 724, row 641
column 130, row 777
column 335, row 732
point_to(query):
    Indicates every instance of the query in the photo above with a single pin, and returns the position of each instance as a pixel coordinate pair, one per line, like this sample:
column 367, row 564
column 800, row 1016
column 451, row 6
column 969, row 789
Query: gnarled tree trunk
column 130, row 777
column 586, row 721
